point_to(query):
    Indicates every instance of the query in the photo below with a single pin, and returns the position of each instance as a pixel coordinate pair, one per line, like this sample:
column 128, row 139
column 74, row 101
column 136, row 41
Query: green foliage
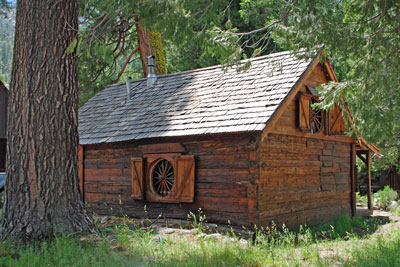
column 197, row 221
column 7, row 23
column 358, row 36
column 191, row 33
column 396, row 210
column 128, row 244
column 63, row 251
column 341, row 227
column 382, row 251
column 385, row 197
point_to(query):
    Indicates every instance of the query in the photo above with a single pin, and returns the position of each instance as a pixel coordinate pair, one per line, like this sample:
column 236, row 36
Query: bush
column 396, row 210
column 363, row 199
column 385, row 197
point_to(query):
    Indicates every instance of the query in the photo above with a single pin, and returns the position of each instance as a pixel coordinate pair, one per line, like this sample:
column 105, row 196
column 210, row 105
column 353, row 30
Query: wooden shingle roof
column 202, row 101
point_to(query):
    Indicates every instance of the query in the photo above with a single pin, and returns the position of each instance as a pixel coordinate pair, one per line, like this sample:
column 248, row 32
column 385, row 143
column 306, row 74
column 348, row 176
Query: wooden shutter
column 185, row 178
column 336, row 122
column 304, row 113
column 137, row 178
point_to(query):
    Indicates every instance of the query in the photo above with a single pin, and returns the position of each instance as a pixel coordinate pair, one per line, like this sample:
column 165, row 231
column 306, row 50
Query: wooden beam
column 357, row 180
column 353, row 180
column 369, row 180
column 330, row 70
column 81, row 171
column 359, row 155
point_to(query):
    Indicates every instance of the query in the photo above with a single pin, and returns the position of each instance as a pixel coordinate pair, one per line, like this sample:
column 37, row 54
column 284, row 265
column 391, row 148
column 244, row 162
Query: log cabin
column 246, row 147
column 3, row 125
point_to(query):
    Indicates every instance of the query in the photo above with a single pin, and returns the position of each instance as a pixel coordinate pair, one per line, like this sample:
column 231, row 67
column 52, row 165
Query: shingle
column 201, row 101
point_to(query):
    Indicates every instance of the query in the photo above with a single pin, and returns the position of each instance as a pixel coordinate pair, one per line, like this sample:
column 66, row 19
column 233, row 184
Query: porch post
column 368, row 154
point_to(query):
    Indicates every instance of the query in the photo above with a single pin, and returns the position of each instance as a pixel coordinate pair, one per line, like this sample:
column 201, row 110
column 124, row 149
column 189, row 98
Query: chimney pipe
column 128, row 87
column 151, row 77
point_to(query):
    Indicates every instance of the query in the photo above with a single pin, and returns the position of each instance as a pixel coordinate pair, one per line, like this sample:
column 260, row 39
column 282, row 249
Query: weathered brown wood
column 81, row 171
column 304, row 112
column 222, row 177
column 108, row 187
column 121, row 163
column 298, row 174
column 137, row 181
column 336, row 123
column 107, row 175
column 162, row 148
column 185, row 178
column 363, row 159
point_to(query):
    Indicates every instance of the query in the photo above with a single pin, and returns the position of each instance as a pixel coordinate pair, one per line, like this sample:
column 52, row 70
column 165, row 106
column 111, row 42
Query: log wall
column 304, row 178
column 222, row 178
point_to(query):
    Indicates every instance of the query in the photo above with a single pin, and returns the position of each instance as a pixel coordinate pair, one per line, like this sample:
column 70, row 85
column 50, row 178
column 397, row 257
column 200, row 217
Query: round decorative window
column 162, row 177
column 315, row 119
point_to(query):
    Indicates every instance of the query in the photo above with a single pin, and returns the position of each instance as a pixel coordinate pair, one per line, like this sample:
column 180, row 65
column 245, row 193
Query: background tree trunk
column 150, row 44
column 42, row 188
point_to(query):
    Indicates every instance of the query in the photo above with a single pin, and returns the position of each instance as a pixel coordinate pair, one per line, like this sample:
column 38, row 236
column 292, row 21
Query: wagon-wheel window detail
column 162, row 177
column 315, row 118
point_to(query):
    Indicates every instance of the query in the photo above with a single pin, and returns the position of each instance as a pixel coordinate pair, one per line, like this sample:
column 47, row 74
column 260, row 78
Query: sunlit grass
column 127, row 244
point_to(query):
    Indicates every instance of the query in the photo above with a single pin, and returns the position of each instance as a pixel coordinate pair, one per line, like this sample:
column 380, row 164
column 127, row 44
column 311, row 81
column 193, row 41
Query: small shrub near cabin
column 385, row 197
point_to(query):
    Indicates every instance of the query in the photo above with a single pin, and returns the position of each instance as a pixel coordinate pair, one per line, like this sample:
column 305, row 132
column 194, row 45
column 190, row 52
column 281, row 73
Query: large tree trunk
column 42, row 188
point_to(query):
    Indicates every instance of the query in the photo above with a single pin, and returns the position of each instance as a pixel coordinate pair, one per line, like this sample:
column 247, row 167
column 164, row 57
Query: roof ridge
column 252, row 59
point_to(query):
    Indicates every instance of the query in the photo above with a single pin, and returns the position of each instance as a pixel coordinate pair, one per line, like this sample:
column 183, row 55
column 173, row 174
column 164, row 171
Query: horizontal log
column 294, row 131
column 272, row 155
column 307, row 217
column 274, row 209
column 121, row 163
column 266, row 197
column 107, row 175
column 112, row 153
column 220, row 189
column 235, row 205
column 235, row 161
column 108, row 187
column 162, row 148
column 170, row 211
column 291, row 163
column 288, row 181
column 290, row 150
column 271, row 171
column 222, row 175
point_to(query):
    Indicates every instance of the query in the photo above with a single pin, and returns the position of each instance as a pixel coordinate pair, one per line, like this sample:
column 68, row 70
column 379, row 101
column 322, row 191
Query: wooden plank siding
column 222, row 178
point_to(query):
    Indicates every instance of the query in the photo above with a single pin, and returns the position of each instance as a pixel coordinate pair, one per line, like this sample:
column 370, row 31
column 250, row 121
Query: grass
column 126, row 244
column 381, row 251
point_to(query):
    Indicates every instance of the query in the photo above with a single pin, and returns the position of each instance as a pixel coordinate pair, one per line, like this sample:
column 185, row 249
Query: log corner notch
column 81, row 171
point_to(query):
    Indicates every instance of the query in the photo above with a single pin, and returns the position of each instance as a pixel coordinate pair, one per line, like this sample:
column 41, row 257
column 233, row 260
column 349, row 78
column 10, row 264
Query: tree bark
column 144, row 47
column 42, row 187
column 150, row 44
